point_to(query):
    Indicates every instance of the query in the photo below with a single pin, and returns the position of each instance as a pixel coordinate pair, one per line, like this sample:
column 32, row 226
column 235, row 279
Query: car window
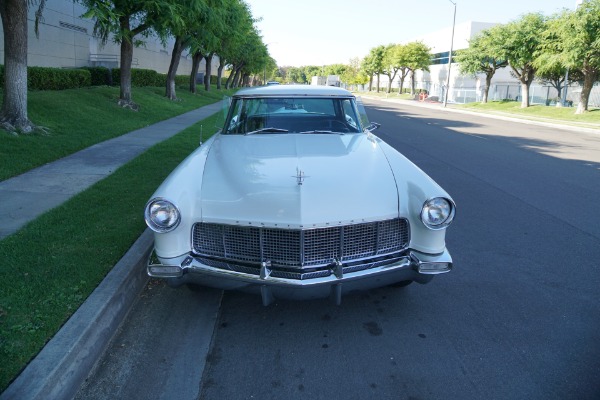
column 350, row 113
column 292, row 115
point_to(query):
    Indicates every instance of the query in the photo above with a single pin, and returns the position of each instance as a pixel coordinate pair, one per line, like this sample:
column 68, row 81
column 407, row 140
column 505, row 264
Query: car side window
column 350, row 114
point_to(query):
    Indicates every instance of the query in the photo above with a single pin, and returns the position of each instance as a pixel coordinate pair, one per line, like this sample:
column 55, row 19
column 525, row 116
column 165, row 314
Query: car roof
column 293, row 90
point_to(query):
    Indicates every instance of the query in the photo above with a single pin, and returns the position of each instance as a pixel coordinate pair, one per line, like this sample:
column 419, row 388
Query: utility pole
column 450, row 56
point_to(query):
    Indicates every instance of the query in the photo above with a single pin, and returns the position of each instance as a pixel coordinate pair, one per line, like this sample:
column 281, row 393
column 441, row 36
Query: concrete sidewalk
column 63, row 364
column 27, row 196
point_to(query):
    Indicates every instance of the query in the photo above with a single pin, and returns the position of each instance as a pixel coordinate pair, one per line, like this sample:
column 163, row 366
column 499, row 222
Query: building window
column 442, row 58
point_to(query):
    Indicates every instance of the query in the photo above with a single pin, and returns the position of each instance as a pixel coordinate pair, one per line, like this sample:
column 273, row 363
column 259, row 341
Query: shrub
column 100, row 76
column 45, row 78
column 139, row 77
column 180, row 80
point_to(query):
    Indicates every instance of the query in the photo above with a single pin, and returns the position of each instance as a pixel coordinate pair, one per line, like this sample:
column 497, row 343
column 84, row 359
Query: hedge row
column 44, row 78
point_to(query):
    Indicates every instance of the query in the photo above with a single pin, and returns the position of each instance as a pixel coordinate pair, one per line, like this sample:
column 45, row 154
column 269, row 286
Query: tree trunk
column 412, row 83
column 389, row 85
column 125, row 68
column 195, row 66
column 229, row 80
column 14, row 105
column 589, row 77
column 208, row 69
column 370, row 82
column 486, row 90
column 525, row 76
column 240, row 79
column 236, row 78
column 222, row 63
column 175, row 57
column 377, row 83
column 524, row 95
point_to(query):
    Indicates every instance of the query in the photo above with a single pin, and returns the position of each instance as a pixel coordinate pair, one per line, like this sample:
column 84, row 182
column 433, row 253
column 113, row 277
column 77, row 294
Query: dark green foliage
column 180, row 80
column 139, row 77
column 45, row 78
column 100, row 75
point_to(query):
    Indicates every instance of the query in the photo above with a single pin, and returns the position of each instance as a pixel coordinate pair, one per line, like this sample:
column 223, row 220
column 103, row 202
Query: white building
column 464, row 88
column 66, row 41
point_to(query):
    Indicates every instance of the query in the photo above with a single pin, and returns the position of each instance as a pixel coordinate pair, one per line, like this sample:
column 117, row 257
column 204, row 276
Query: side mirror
column 372, row 126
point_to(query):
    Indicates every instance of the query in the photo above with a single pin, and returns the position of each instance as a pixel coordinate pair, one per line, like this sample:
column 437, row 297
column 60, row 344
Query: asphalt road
column 518, row 317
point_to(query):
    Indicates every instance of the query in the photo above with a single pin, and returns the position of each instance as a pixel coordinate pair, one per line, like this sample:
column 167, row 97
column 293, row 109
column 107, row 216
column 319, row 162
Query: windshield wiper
column 323, row 131
column 266, row 130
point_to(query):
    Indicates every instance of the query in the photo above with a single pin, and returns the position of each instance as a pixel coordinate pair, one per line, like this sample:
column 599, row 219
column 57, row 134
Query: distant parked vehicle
column 297, row 198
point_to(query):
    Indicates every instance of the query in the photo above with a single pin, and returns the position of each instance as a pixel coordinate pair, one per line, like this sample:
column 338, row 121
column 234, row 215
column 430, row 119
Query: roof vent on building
column 73, row 27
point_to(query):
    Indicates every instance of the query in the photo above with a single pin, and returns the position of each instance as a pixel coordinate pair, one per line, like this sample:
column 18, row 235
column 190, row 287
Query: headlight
column 438, row 213
column 161, row 215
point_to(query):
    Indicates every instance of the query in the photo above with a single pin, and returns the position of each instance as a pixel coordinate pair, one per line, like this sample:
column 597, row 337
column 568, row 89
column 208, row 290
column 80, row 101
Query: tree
column 555, row 75
column 521, row 41
column 295, row 75
column 196, row 15
column 480, row 57
column 392, row 62
column 353, row 75
column 251, row 57
column 13, row 116
column 237, row 21
column 573, row 41
column 374, row 62
column 417, row 57
column 127, row 20
column 334, row 69
column 366, row 66
column 311, row 70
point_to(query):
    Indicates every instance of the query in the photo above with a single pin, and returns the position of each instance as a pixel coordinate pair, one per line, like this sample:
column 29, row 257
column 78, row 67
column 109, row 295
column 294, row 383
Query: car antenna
column 201, row 135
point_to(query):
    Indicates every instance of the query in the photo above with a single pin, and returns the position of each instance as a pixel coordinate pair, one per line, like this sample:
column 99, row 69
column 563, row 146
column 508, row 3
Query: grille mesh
column 297, row 248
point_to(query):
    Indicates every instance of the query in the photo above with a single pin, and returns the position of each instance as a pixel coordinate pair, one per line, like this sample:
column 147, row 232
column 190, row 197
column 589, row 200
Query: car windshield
column 281, row 115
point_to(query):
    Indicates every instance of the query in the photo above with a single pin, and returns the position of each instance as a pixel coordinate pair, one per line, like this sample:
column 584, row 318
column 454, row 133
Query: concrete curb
column 64, row 363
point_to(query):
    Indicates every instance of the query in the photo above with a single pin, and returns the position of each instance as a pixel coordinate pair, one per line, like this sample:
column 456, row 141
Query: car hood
column 297, row 180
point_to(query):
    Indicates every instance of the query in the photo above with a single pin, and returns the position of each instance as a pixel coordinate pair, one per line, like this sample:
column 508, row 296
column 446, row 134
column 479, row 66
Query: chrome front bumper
column 410, row 266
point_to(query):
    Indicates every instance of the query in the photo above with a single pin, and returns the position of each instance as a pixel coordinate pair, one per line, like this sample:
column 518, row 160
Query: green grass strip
column 53, row 264
column 537, row 112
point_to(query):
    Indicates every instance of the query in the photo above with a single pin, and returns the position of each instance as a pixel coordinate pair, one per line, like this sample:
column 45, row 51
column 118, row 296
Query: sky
column 324, row 32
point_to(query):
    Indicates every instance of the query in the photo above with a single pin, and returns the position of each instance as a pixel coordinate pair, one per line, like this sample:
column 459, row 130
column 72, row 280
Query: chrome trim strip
column 411, row 260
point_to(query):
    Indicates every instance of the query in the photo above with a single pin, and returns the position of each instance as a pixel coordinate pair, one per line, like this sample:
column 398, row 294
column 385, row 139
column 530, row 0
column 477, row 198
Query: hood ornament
column 300, row 176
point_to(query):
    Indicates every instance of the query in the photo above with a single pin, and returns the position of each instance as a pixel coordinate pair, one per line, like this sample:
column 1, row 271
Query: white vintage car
column 296, row 198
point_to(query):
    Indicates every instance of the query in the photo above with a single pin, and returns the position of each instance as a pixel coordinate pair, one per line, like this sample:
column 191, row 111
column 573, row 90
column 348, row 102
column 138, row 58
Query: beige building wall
column 66, row 41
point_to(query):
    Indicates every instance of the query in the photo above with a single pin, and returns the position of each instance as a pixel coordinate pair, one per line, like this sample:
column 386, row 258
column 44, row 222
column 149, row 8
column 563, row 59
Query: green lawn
column 79, row 118
column 537, row 112
column 52, row 265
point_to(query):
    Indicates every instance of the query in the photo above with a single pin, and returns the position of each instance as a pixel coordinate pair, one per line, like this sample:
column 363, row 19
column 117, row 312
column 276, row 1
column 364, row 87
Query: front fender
column 415, row 187
column 182, row 187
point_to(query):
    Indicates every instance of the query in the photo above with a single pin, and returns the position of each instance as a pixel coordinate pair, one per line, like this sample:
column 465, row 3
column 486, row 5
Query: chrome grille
column 297, row 248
